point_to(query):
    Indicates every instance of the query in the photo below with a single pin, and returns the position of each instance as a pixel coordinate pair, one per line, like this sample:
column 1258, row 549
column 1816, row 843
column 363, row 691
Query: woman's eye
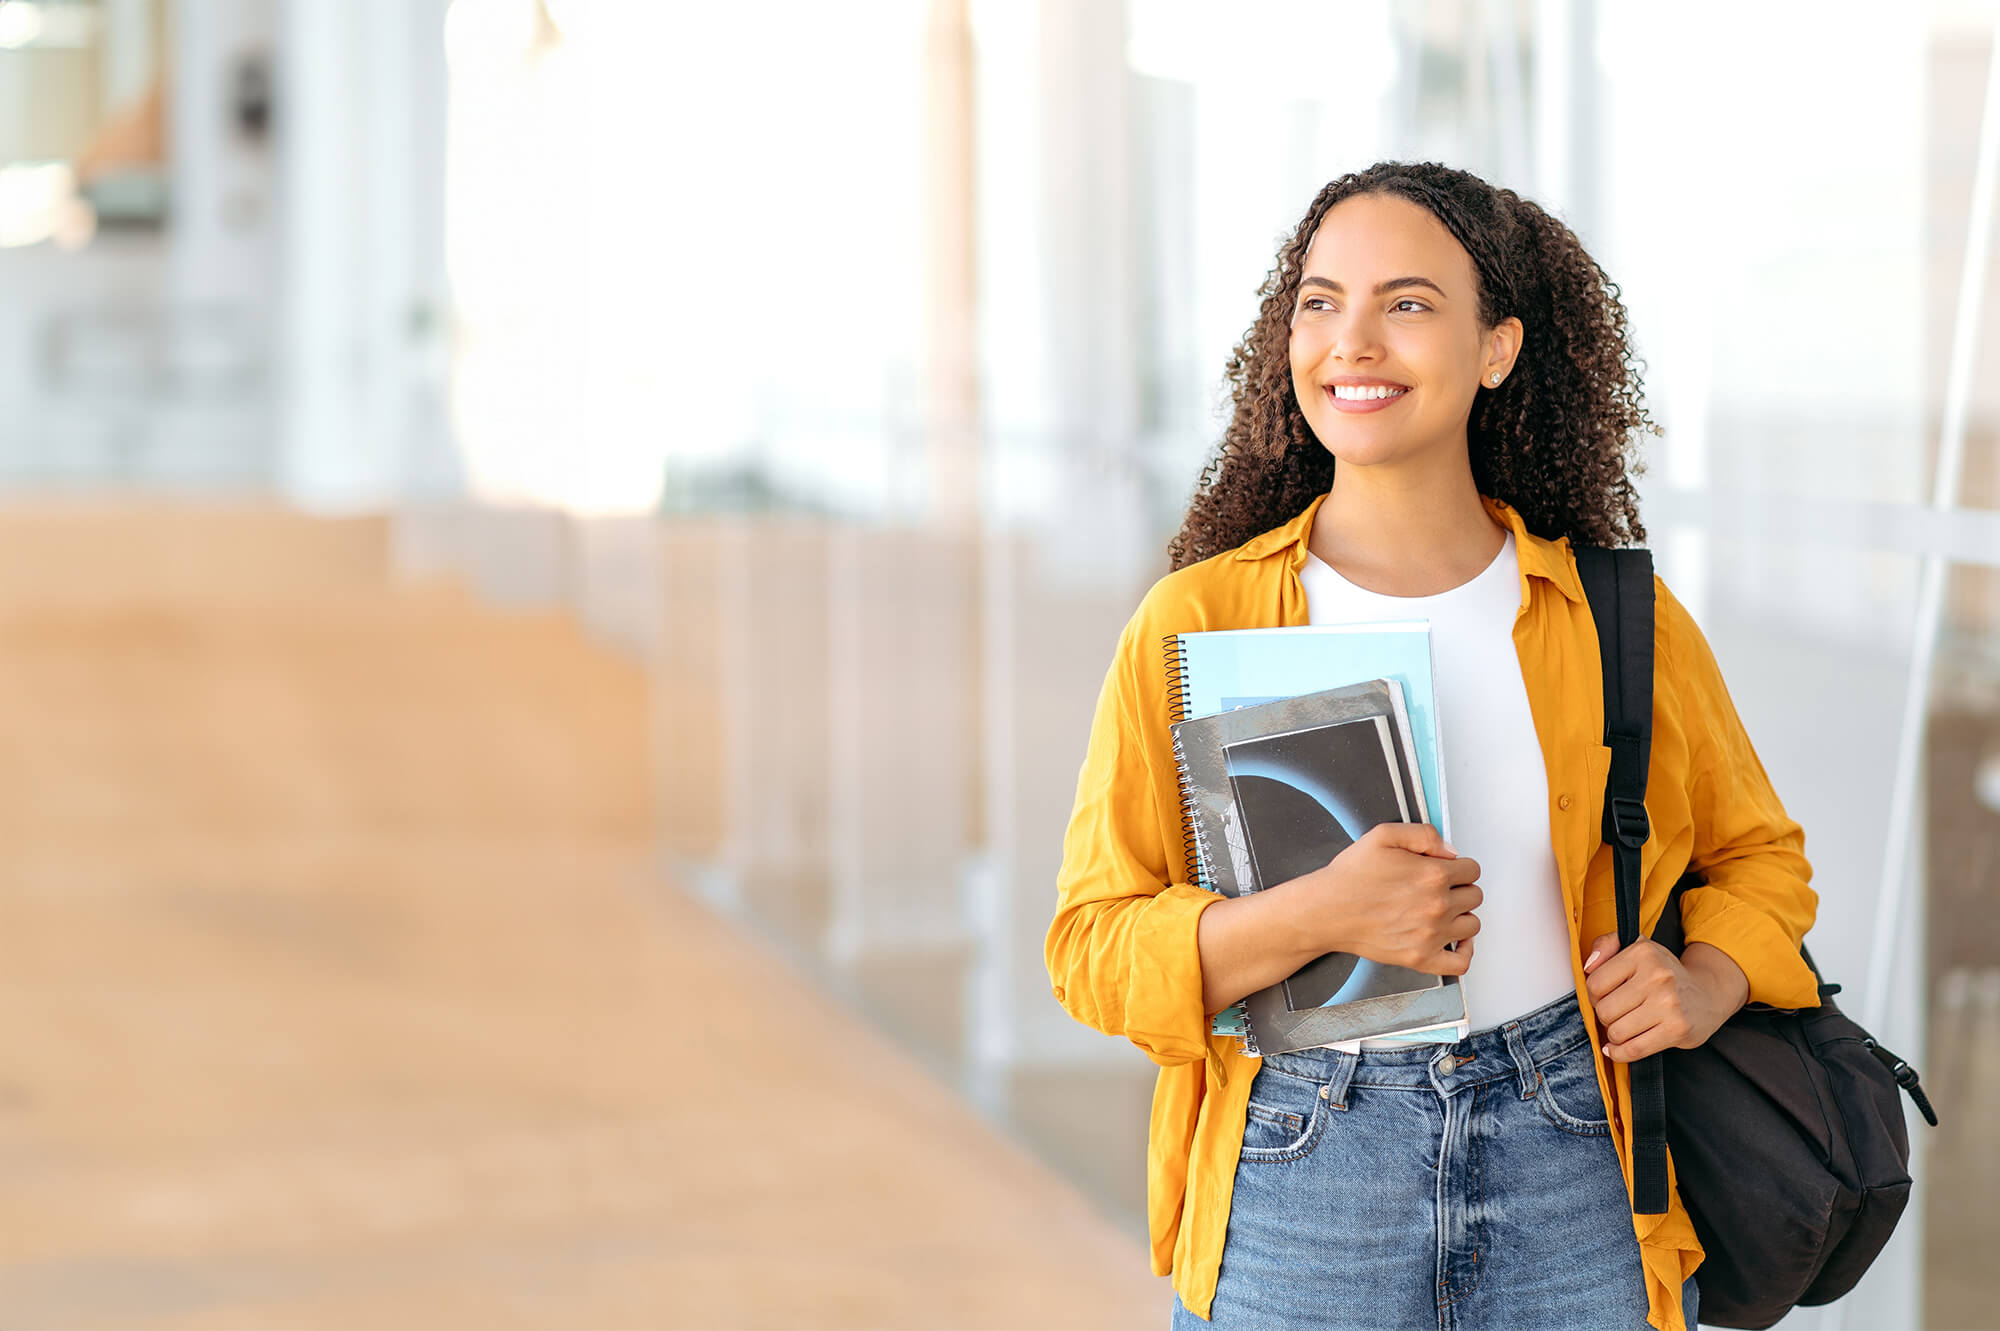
column 1419, row 304
column 1311, row 301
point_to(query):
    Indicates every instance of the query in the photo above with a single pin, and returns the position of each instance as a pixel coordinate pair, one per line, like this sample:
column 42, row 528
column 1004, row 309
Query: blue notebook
column 1219, row 671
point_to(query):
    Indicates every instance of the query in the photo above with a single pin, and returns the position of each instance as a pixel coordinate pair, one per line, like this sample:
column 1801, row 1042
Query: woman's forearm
column 1249, row 943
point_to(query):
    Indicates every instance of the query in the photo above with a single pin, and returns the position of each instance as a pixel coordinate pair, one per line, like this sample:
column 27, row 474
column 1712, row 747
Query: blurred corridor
column 341, row 990
column 556, row 558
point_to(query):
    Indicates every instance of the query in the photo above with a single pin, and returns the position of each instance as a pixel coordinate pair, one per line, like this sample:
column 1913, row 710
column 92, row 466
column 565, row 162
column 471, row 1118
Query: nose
column 1355, row 338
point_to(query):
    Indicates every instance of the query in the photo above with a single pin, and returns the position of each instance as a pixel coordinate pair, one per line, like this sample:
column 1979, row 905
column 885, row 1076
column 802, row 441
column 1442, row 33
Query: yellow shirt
column 1121, row 951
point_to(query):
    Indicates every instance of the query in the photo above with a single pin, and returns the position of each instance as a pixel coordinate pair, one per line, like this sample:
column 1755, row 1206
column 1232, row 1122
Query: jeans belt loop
column 1525, row 1072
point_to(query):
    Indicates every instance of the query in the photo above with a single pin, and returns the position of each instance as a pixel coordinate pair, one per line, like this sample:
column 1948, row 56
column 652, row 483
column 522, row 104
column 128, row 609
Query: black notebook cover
column 1303, row 797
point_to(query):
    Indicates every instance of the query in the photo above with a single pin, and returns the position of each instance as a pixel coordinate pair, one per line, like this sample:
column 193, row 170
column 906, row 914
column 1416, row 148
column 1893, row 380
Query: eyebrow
column 1380, row 287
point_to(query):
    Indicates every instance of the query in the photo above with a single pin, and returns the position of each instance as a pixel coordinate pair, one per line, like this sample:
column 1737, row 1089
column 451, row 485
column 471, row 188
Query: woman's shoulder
column 1221, row 591
column 1685, row 667
column 1674, row 629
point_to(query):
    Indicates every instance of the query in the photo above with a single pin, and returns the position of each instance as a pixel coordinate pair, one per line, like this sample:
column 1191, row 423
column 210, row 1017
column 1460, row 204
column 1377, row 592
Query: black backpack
column 1786, row 1125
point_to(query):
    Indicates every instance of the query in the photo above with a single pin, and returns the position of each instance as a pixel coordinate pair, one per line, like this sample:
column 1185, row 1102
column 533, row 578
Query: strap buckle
column 1905, row 1075
column 1629, row 822
column 1899, row 1068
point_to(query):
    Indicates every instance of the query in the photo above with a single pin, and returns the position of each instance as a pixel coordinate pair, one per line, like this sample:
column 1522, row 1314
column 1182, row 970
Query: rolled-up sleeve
column 1758, row 900
column 1121, row 952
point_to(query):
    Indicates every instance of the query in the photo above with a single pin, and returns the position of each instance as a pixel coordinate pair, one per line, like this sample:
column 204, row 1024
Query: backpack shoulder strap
column 1619, row 586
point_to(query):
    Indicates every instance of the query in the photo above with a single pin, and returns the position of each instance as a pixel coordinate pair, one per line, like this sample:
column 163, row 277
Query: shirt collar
column 1539, row 558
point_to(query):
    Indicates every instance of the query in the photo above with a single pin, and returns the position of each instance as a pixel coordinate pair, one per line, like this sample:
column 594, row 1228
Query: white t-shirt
column 1495, row 784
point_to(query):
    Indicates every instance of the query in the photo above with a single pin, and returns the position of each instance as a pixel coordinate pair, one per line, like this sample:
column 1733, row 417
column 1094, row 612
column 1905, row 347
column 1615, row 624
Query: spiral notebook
column 1276, row 790
column 1388, row 665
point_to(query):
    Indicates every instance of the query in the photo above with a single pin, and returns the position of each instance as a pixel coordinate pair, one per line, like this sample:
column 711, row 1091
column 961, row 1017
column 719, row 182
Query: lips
column 1353, row 406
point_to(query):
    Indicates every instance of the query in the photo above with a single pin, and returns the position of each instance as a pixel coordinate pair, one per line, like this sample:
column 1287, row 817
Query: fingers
column 1649, row 1041
column 1453, row 961
column 1602, row 949
column 1638, row 1004
column 1458, row 900
column 1640, row 1034
column 1462, row 927
column 1419, row 837
column 1617, row 1003
column 1445, row 961
column 1645, row 960
column 1667, row 1025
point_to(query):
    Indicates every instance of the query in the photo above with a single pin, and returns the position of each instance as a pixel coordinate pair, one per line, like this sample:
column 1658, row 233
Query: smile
column 1363, row 398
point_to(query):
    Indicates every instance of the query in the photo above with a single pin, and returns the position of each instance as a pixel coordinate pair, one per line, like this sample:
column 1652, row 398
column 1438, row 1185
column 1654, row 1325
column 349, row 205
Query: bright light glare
column 1986, row 780
column 481, row 33
column 571, row 17
column 1233, row 46
column 35, row 201
column 616, row 203
column 25, row 23
column 20, row 23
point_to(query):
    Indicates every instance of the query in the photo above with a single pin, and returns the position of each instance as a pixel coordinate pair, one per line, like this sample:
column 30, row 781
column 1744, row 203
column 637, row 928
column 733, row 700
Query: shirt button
column 1563, row 803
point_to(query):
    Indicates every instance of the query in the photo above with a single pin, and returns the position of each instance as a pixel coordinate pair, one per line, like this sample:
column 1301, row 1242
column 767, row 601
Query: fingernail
column 1591, row 960
column 1607, row 1050
column 1453, row 849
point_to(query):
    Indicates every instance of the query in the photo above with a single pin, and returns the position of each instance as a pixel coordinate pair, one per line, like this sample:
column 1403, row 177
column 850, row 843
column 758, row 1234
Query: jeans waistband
column 1511, row 1049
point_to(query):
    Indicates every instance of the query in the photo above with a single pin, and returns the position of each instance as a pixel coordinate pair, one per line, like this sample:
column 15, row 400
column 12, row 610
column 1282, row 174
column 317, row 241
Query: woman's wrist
column 1316, row 920
column 1250, row 942
column 1718, row 975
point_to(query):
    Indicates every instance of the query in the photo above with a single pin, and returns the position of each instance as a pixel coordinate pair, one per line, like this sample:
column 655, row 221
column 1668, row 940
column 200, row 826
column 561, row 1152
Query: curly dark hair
column 1556, row 440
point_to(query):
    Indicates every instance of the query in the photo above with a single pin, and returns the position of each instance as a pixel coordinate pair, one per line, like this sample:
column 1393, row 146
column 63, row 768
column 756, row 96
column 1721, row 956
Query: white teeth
column 1362, row 394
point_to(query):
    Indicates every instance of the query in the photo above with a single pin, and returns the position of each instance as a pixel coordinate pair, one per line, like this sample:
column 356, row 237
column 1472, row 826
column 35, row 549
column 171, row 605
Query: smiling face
column 1387, row 349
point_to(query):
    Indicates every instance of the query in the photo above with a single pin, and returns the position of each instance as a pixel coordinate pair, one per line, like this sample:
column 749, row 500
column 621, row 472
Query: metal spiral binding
column 1194, row 847
column 1249, row 1040
column 1192, row 850
column 1177, row 679
column 1234, row 1019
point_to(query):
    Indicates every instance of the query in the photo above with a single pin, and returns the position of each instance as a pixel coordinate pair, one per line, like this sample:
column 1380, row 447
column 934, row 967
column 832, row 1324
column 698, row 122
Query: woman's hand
column 1647, row 999
column 1398, row 896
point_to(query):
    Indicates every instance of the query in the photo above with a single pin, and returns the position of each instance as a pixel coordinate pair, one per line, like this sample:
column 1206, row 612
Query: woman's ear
column 1503, row 348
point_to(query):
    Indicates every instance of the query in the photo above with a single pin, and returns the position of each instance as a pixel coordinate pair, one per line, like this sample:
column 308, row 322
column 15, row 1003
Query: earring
column 1496, row 380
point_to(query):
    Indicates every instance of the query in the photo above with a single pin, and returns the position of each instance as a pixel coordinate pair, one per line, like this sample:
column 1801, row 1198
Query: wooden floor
column 339, row 989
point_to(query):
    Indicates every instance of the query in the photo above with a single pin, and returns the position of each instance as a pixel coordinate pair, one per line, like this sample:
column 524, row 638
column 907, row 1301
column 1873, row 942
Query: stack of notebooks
column 1280, row 773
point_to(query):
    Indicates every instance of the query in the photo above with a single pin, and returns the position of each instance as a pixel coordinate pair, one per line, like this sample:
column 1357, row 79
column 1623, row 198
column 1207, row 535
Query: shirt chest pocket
column 1596, row 770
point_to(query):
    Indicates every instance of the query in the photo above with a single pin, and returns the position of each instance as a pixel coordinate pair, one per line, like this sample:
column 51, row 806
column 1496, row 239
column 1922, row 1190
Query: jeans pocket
column 1568, row 1095
column 1284, row 1118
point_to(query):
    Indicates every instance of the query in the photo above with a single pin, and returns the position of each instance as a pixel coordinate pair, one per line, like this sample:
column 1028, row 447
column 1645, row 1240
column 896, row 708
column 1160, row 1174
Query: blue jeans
column 1463, row 1186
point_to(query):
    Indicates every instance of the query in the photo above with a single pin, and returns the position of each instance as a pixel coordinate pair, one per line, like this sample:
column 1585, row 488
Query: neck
column 1405, row 535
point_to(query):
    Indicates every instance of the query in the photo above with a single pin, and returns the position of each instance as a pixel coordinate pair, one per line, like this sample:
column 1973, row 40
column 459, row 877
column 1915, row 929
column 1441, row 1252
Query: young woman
column 1436, row 399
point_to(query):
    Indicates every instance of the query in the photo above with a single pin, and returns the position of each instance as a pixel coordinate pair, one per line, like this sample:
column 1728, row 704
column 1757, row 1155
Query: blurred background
column 556, row 557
